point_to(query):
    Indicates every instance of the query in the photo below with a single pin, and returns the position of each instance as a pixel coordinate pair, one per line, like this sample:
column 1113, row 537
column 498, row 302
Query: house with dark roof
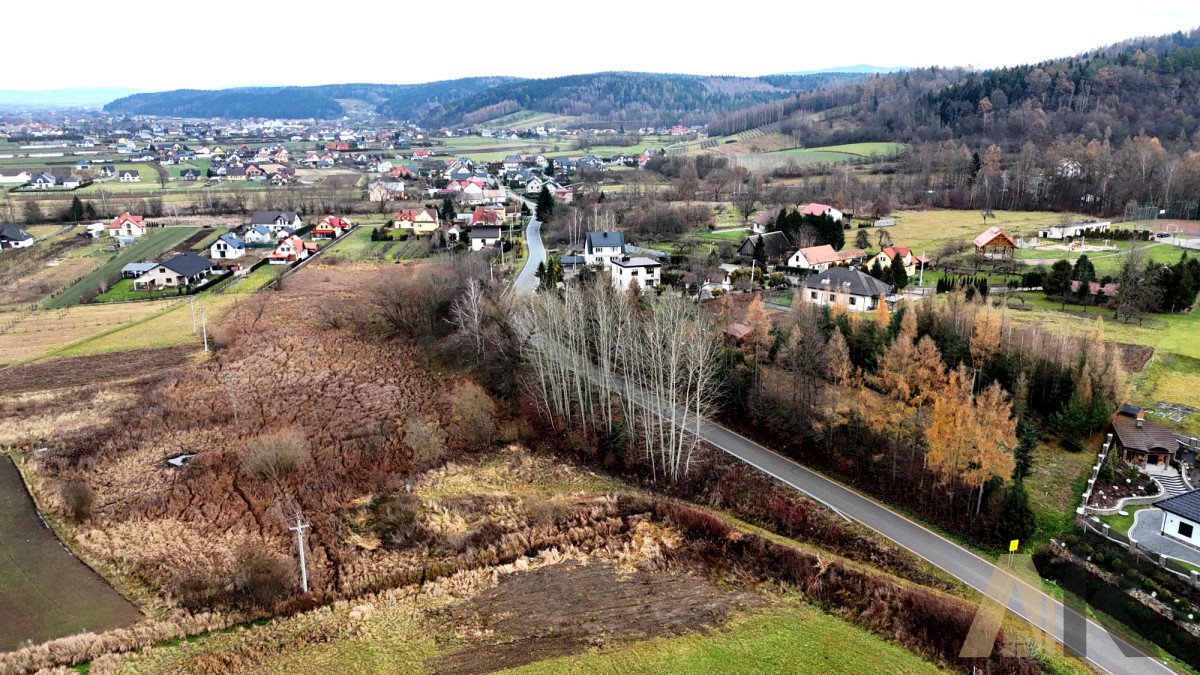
column 12, row 236
column 191, row 174
column 776, row 245
column 602, row 248
column 129, row 176
column 276, row 220
column 1152, row 447
column 846, row 287
column 484, row 236
column 178, row 271
column 1181, row 517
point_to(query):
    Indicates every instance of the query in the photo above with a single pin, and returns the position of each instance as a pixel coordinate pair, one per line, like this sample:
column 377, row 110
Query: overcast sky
column 152, row 44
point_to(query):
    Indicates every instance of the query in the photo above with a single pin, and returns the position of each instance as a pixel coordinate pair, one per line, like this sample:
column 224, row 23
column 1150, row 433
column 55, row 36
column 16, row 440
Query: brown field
column 78, row 371
column 767, row 143
column 38, row 285
column 30, row 334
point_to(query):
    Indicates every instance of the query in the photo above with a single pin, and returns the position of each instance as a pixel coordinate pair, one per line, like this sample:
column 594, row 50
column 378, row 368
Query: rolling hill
column 632, row 98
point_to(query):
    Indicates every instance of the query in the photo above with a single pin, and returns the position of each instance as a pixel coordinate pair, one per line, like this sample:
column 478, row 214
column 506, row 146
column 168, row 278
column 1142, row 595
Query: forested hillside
column 635, row 98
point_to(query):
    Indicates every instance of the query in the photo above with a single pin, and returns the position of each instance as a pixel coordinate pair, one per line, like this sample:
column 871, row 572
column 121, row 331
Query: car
column 1163, row 235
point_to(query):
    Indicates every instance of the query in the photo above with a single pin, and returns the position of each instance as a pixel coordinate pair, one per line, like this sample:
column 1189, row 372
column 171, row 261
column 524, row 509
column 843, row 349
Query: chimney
column 1141, row 417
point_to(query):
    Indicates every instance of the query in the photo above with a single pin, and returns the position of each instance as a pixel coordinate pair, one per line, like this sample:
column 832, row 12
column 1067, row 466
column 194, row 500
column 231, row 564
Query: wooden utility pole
column 299, row 529
column 204, row 328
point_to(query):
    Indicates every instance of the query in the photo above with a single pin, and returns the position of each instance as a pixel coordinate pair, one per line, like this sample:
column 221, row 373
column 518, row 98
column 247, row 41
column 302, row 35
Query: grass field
column 795, row 638
column 256, row 280
column 34, row 334
column 204, row 243
column 357, row 245
column 928, row 230
column 45, row 592
column 166, row 328
column 1121, row 523
column 150, row 246
column 1054, row 486
column 123, row 291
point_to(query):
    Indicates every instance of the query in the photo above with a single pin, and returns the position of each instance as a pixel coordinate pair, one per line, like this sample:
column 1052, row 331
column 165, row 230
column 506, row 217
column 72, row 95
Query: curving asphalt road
column 1103, row 651
column 527, row 281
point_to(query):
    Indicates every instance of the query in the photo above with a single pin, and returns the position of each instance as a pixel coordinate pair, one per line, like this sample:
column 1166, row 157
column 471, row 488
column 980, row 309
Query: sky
column 268, row 43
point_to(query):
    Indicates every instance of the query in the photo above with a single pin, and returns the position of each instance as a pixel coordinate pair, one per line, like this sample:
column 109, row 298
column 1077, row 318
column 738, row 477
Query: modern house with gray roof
column 1151, row 447
column 602, row 248
column 184, row 269
column 846, row 287
column 12, row 236
column 1181, row 517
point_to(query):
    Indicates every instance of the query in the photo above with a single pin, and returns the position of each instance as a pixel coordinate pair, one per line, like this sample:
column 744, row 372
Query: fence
column 1100, row 457
column 1139, row 552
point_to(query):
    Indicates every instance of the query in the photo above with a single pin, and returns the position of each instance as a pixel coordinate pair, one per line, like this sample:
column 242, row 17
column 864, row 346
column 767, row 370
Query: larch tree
column 838, row 365
column 985, row 339
column 995, row 432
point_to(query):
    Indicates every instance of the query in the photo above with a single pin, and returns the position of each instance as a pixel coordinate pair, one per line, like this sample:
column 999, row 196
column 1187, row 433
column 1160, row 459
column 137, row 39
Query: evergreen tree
column 448, row 208
column 1058, row 282
column 897, row 276
column 545, row 205
column 75, row 212
column 89, row 211
column 1017, row 520
column 1084, row 270
column 1027, row 441
column 760, row 251
column 877, row 270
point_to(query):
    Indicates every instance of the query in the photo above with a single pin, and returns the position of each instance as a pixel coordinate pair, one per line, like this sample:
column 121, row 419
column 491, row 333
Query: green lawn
column 793, row 639
column 357, row 245
column 150, row 246
column 1121, row 523
column 204, row 243
column 255, row 280
column 123, row 291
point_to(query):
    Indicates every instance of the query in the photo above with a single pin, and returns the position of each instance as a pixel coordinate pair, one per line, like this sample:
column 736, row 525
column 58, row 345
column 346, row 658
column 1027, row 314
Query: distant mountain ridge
column 862, row 69
column 78, row 97
column 618, row 97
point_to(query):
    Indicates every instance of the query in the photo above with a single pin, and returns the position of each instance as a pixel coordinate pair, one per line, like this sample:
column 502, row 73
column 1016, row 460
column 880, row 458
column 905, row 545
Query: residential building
column 484, row 236
column 821, row 258
column 602, row 248
column 12, row 236
column 418, row 221
column 259, row 234
column 382, row 191
column 331, row 227
column 1146, row 444
column 276, row 220
column 291, row 249
column 1181, row 517
column 912, row 262
column 181, row 270
column 227, row 247
column 846, row 287
column 129, row 176
column 127, row 225
column 776, row 246
column 626, row 271
column 815, row 209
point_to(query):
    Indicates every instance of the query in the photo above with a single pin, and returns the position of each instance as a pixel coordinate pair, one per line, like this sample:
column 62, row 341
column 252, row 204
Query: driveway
column 1145, row 531
column 1102, row 650
column 527, row 281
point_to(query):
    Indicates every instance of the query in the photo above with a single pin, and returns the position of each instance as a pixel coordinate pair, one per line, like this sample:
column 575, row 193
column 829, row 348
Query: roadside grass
column 151, row 245
column 1054, row 486
column 791, row 638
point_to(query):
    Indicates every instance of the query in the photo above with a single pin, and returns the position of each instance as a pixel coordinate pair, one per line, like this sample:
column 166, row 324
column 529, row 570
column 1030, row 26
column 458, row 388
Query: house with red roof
column 127, row 225
column 816, row 209
column 418, row 221
column 331, row 227
column 912, row 262
column 994, row 243
column 486, row 216
column 290, row 250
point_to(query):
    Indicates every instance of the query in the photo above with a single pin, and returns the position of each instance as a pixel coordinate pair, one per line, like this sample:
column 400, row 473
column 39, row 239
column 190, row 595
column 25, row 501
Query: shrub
column 474, row 418
column 394, row 519
column 78, row 499
column 424, row 436
column 262, row 578
column 275, row 455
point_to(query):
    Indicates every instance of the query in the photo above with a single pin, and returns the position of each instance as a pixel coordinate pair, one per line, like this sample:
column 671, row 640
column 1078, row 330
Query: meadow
column 150, row 246
column 33, row 334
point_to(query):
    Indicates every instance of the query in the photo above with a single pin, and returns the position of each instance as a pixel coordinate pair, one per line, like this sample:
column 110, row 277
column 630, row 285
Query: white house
column 14, row 177
column 846, row 287
column 129, row 176
column 1073, row 230
column 12, row 236
column 182, row 270
column 627, row 270
column 227, row 247
column 815, row 209
column 602, row 248
column 817, row 258
column 1181, row 517
column 258, row 234
column 275, row 221
column 127, row 225
column 290, row 250
column 484, row 236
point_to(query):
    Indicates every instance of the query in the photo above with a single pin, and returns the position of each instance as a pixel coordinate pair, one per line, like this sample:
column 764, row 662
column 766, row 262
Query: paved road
column 527, row 281
column 1104, row 652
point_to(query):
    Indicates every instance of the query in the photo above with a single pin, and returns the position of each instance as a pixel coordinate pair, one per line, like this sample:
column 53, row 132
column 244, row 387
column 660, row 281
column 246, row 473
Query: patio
column 1145, row 531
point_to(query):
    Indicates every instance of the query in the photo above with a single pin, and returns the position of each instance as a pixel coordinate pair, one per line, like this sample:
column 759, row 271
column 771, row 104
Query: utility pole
column 192, row 305
column 921, row 279
column 299, row 529
column 204, row 328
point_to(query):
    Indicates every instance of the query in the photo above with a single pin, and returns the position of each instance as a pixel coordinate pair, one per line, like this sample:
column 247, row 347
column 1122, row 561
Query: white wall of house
column 798, row 260
column 603, row 255
column 1191, row 529
column 478, row 243
column 224, row 251
column 646, row 277
column 854, row 303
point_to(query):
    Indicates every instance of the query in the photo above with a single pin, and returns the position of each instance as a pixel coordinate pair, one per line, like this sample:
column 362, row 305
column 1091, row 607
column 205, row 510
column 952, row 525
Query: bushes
column 275, row 455
column 77, row 498
column 262, row 578
column 394, row 519
column 424, row 436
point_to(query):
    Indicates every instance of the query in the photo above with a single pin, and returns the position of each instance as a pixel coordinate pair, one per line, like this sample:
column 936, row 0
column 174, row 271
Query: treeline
column 937, row 407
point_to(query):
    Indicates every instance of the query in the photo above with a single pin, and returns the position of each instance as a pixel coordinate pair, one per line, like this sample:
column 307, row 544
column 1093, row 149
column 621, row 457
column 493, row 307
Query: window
column 1185, row 529
column 853, row 300
column 814, row 295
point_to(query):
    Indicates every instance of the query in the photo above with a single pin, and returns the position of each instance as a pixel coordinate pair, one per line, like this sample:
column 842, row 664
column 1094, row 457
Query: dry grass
column 30, row 335
column 928, row 230
column 171, row 327
column 34, row 287
column 29, row 418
